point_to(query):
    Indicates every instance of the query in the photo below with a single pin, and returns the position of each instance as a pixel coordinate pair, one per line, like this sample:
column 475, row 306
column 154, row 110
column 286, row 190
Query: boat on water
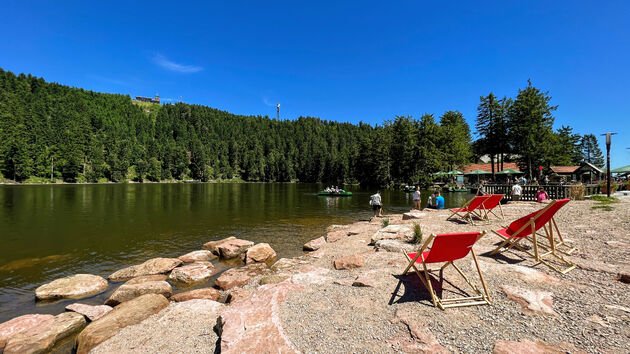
column 341, row 193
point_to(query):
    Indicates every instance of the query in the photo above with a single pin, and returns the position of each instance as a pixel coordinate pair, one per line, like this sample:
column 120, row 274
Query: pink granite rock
column 314, row 245
column 192, row 272
column 150, row 267
column 204, row 293
column 197, row 256
column 533, row 302
column 73, row 287
column 43, row 337
column 239, row 276
column 261, row 252
column 19, row 324
column 93, row 313
column 255, row 325
column 349, row 262
column 233, row 248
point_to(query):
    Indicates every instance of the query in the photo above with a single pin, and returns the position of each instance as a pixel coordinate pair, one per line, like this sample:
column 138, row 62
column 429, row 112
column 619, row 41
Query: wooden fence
column 555, row 191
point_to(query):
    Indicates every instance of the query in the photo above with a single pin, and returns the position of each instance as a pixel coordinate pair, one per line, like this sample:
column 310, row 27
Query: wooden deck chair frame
column 491, row 210
column 482, row 298
column 549, row 249
column 478, row 212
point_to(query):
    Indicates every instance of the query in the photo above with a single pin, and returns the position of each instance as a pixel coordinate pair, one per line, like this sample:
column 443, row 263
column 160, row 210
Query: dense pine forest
column 48, row 129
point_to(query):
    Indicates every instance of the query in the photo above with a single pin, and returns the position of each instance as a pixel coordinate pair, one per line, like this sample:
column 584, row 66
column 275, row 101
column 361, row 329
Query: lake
column 51, row 231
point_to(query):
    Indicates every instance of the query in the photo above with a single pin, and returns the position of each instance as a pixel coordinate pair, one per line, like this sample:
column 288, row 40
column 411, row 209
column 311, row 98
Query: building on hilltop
column 149, row 99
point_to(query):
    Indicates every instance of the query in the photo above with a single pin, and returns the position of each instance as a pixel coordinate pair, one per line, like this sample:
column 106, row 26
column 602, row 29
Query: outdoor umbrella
column 624, row 169
column 509, row 171
column 478, row 172
column 453, row 173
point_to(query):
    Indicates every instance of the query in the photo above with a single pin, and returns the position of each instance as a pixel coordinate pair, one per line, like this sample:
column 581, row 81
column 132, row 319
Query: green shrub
column 385, row 222
column 417, row 233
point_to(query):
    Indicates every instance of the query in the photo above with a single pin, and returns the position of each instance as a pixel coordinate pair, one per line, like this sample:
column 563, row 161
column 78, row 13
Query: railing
column 555, row 191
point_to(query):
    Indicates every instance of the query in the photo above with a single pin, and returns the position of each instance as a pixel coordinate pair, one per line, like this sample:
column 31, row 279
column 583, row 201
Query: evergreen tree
column 456, row 140
column 591, row 152
column 530, row 128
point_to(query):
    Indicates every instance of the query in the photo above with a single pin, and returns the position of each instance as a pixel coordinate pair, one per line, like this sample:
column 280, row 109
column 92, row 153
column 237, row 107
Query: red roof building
column 488, row 167
column 564, row 170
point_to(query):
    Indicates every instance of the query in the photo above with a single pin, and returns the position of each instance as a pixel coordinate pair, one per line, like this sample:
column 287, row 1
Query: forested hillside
column 87, row 136
column 84, row 136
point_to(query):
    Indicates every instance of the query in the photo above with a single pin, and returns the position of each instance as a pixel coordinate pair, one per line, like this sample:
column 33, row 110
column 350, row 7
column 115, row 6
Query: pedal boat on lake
column 341, row 193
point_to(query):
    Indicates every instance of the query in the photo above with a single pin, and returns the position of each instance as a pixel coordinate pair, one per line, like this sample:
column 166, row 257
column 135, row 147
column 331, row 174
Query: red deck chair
column 473, row 207
column 448, row 248
column 491, row 203
column 527, row 227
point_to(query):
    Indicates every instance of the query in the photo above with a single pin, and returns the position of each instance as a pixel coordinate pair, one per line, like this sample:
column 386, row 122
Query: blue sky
column 344, row 61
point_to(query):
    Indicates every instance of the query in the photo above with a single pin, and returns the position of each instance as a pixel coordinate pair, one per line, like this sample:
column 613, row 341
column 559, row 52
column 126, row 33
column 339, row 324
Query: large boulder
column 126, row 314
column 255, row 325
column 197, row 256
column 533, row 302
column 180, row 327
column 349, row 262
column 193, row 272
column 403, row 232
column 152, row 266
column 128, row 292
column 16, row 325
column 203, row 294
column 43, row 337
column 239, row 276
column 261, row 252
column 395, row 246
column 314, row 245
column 92, row 313
column 234, row 248
column 213, row 246
column 73, row 287
column 146, row 278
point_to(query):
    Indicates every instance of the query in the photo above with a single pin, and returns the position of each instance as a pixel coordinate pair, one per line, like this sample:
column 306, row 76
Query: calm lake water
column 47, row 232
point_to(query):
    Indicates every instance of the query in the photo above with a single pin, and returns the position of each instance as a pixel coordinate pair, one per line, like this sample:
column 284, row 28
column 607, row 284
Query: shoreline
column 345, row 295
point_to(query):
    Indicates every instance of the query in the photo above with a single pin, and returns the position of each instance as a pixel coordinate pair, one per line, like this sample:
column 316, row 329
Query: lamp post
column 608, row 135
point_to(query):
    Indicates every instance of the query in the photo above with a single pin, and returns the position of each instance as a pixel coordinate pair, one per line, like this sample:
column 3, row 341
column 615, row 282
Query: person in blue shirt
column 439, row 201
column 436, row 201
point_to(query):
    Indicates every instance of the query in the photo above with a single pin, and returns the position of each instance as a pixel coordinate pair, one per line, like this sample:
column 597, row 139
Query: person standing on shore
column 377, row 204
column 516, row 192
column 416, row 198
column 481, row 190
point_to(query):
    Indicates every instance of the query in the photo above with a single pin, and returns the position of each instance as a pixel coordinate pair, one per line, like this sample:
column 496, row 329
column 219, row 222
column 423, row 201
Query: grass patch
column 604, row 203
column 385, row 222
column 417, row 233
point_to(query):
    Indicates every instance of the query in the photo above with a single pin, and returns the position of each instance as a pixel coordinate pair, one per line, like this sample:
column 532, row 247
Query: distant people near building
column 517, row 190
column 416, row 198
column 546, row 179
column 541, row 195
column 377, row 204
column 481, row 190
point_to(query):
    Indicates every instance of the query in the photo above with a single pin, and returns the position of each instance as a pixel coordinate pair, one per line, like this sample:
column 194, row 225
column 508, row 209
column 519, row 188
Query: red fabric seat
column 448, row 247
